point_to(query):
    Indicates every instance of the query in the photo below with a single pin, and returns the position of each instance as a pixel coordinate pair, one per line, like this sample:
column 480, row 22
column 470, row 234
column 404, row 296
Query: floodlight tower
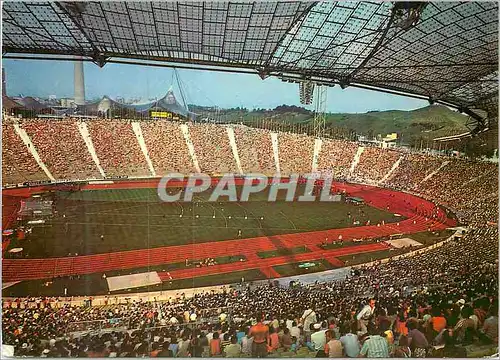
column 319, row 123
column 306, row 92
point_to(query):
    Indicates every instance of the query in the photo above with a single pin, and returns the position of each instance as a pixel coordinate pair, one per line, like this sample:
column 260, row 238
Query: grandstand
column 107, row 270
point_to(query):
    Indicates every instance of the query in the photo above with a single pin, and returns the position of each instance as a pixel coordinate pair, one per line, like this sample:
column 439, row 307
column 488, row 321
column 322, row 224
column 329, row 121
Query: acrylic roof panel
column 449, row 53
column 245, row 33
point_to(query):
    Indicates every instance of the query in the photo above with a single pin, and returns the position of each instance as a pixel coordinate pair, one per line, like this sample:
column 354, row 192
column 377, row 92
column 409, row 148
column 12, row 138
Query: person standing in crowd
column 490, row 326
column 260, row 334
column 308, row 319
column 286, row 339
column 437, row 321
column 246, row 343
column 366, row 315
column 402, row 350
column 273, row 342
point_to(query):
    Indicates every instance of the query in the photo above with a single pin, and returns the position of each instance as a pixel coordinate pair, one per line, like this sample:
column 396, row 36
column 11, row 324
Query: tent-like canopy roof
column 444, row 51
column 30, row 103
column 8, row 103
column 166, row 103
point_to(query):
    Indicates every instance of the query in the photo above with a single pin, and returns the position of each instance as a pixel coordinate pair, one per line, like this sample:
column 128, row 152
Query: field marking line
column 182, row 208
column 251, row 212
column 215, row 209
column 289, row 220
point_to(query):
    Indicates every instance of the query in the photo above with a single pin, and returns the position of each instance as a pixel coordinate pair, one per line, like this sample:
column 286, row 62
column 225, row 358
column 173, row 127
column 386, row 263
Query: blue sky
column 44, row 78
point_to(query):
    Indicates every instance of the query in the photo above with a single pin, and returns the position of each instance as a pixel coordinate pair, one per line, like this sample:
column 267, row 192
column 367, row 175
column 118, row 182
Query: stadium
column 95, row 264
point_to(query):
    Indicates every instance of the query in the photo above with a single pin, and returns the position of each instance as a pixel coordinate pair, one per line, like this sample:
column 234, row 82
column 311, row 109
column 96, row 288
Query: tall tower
column 79, row 83
column 4, row 89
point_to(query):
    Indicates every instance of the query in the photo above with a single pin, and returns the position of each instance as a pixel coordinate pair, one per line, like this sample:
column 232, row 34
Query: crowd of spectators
column 412, row 170
column 255, row 150
column 468, row 187
column 336, row 157
column 375, row 163
column 212, row 148
column 444, row 296
column 167, row 147
column 61, row 148
column 18, row 165
column 117, row 148
column 295, row 153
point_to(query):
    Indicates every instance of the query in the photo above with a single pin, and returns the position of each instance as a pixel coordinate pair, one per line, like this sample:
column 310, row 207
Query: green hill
column 412, row 126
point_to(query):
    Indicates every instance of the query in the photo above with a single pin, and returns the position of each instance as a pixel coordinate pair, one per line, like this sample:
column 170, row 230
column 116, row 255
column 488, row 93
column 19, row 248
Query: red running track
column 258, row 263
column 402, row 203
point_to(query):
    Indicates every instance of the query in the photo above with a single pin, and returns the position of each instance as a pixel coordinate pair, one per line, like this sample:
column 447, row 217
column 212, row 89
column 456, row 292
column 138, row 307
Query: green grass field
column 136, row 219
column 293, row 269
column 283, row 252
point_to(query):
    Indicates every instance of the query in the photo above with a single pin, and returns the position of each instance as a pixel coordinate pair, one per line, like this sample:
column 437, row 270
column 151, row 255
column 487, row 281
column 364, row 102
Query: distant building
column 389, row 140
column 67, row 102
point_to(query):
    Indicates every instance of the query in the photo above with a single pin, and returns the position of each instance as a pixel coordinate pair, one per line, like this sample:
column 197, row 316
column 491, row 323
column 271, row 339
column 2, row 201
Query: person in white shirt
column 365, row 315
column 318, row 338
column 350, row 342
column 295, row 330
column 246, row 343
column 210, row 336
column 308, row 318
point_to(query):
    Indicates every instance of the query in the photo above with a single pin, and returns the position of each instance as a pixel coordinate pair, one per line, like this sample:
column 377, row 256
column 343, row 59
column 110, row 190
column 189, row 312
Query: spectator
column 215, row 345
column 286, row 339
column 233, row 350
column 350, row 341
column 402, row 350
column 374, row 346
column 333, row 347
column 366, row 315
column 417, row 340
column 260, row 334
column 318, row 340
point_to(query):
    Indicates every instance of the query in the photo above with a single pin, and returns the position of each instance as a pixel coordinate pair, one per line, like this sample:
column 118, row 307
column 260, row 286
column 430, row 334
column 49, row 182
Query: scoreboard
column 161, row 114
column 164, row 115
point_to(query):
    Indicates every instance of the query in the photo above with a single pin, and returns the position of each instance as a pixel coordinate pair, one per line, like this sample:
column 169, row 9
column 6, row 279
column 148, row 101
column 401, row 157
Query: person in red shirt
column 260, row 334
column 215, row 348
column 438, row 321
column 273, row 342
